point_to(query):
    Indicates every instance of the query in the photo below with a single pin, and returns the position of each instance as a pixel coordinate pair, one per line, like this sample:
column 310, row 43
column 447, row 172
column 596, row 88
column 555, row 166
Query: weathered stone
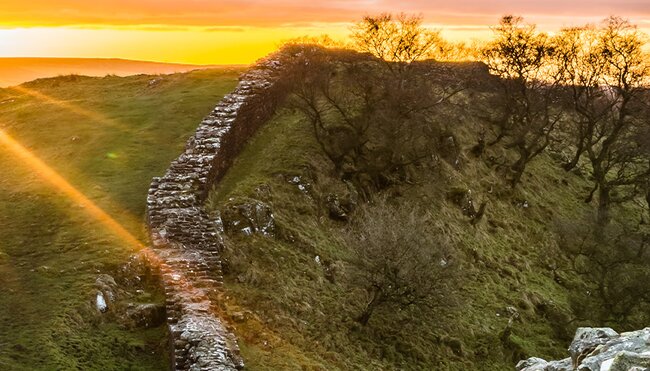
column 600, row 349
column 186, row 240
column 107, row 286
column 250, row 216
column 335, row 208
column 626, row 361
column 538, row 364
column 587, row 339
column 100, row 302
column 146, row 315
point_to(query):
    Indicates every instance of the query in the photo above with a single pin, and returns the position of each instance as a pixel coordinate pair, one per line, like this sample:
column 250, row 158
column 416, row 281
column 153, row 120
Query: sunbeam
column 95, row 116
column 57, row 181
column 48, row 174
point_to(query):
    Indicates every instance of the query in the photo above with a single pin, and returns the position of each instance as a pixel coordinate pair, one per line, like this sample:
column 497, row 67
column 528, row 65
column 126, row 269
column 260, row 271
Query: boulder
column 100, row 302
column 146, row 315
column 599, row 349
column 249, row 217
column 334, row 207
column 587, row 339
column 538, row 364
column 107, row 287
column 629, row 361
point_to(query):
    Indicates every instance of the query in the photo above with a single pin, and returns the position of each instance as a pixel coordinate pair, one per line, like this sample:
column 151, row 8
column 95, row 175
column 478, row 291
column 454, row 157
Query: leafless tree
column 605, row 70
column 400, row 39
column 372, row 123
column 526, row 117
column 398, row 260
column 615, row 265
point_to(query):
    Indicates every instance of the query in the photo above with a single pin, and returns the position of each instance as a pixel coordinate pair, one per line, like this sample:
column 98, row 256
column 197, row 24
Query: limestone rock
column 587, row 339
column 538, row 364
column 600, row 349
column 630, row 361
column 248, row 217
column 100, row 302
column 107, row 287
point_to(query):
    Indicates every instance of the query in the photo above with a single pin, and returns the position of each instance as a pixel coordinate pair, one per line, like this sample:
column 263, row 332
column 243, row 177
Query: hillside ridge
column 182, row 234
column 18, row 70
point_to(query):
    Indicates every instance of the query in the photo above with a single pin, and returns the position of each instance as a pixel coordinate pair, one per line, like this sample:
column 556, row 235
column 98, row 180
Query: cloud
column 224, row 29
column 229, row 15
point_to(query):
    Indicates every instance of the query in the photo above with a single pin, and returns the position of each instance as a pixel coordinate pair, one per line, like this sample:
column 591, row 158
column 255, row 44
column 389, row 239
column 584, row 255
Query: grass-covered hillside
column 512, row 288
column 107, row 136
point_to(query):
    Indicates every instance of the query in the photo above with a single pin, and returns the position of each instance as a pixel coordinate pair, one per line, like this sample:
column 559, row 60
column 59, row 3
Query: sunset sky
column 227, row 32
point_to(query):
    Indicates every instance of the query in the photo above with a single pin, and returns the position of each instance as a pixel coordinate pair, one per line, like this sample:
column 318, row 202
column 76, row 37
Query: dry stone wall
column 184, row 239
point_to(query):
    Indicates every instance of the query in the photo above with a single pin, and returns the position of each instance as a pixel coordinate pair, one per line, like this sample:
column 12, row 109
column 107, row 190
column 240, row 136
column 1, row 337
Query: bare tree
column 526, row 116
column 455, row 51
column 605, row 69
column 395, row 38
column 372, row 123
column 398, row 260
column 615, row 265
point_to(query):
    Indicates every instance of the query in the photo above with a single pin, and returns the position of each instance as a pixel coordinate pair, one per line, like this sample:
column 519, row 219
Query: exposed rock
column 186, row 240
column 335, row 208
column 100, row 302
column 251, row 216
column 538, row 364
column 462, row 197
column 599, row 349
column 303, row 181
column 587, row 339
column 146, row 315
column 107, row 286
column 628, row 361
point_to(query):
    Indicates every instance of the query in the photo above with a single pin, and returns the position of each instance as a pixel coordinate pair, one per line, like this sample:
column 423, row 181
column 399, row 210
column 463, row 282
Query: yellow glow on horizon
column 192, row 45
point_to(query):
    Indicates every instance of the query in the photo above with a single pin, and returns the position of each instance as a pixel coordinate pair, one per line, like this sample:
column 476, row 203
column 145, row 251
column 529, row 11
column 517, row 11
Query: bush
column 399, row 261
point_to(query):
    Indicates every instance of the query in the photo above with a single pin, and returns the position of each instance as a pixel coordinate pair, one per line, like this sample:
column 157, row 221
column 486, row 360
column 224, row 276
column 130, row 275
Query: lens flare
column 58, row 182
column 95, row 116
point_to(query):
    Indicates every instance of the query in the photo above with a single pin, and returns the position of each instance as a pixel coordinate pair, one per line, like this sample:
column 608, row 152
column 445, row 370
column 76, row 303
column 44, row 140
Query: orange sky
column 229, row 31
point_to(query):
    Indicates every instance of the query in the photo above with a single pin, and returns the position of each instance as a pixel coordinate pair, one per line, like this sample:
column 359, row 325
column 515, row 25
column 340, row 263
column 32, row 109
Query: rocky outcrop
column 249, row 217
column 599, row 349
column 185, row 240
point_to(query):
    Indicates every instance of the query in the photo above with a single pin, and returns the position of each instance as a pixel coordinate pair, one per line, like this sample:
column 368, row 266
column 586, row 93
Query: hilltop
column 312, row 237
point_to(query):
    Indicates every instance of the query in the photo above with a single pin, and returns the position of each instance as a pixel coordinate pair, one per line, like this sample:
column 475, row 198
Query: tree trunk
column 603, row 205
column 518, row 170
column 576, row 157
column 364, row 317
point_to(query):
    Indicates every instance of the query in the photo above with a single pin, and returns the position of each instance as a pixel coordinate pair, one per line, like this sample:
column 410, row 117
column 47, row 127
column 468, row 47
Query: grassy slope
column 51, row 251
column 295, row 318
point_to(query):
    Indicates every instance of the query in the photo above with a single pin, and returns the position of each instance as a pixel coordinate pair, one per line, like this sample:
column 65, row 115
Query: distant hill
column 14, row 71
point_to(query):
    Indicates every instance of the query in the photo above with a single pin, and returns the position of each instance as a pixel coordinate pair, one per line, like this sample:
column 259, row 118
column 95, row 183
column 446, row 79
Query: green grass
column 297, row 319
column 108, row 139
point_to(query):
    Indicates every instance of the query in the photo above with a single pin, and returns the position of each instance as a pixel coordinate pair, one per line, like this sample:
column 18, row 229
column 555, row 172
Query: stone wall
column 185, row 242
